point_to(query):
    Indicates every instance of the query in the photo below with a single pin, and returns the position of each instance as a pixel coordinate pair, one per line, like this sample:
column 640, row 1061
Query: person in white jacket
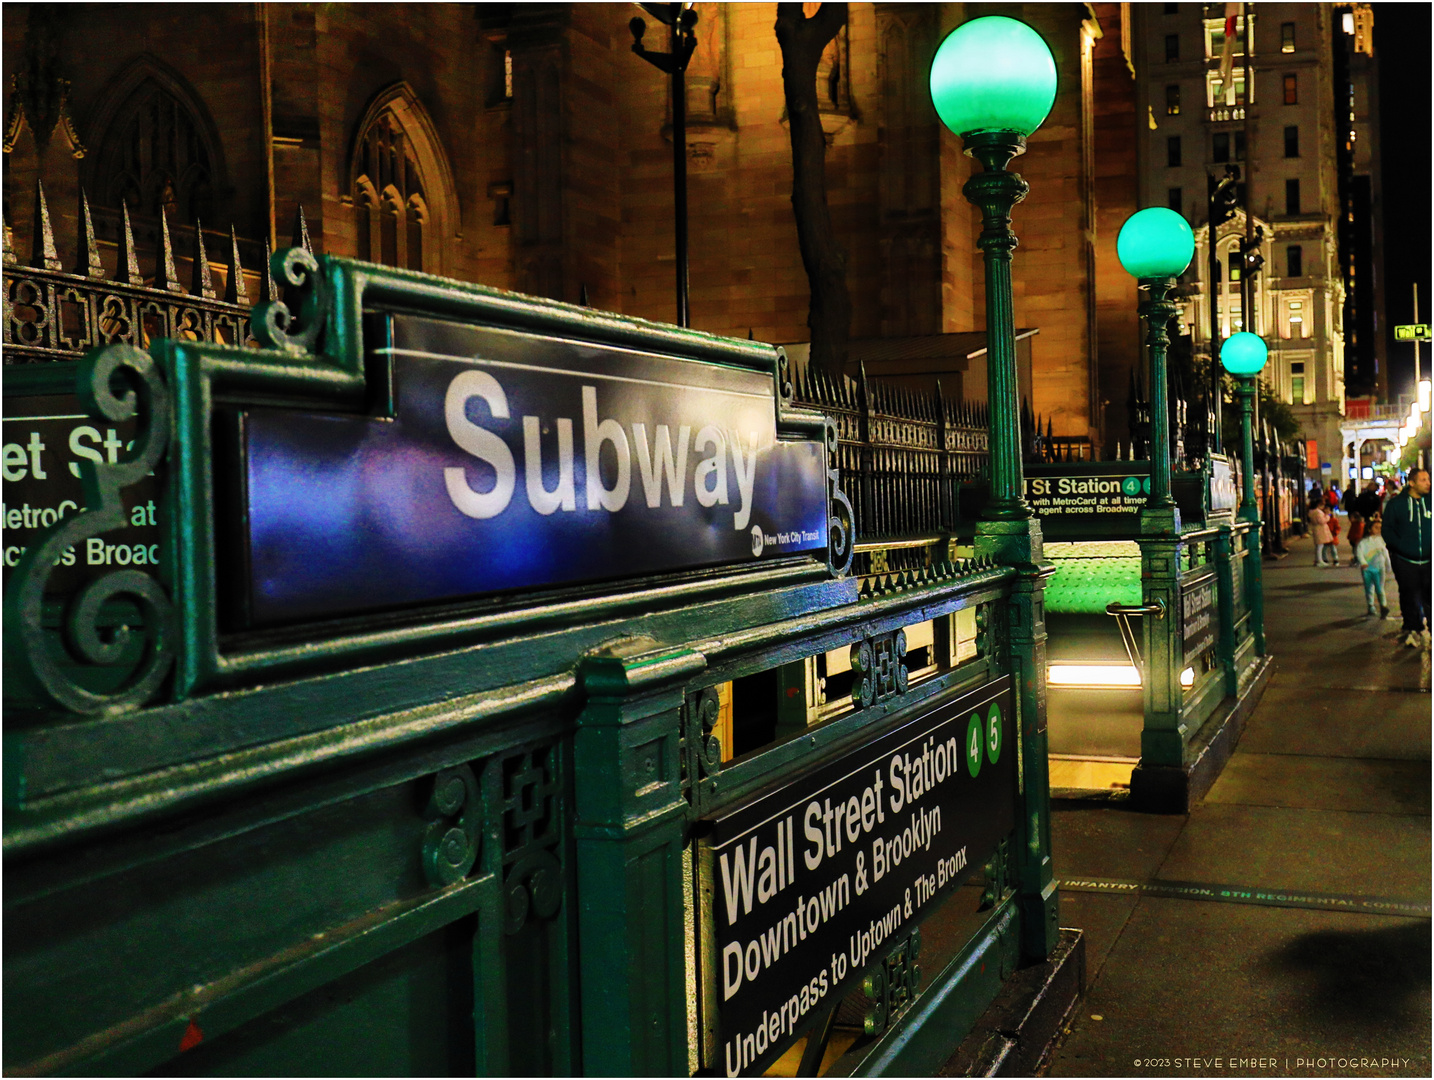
column 1374, row 566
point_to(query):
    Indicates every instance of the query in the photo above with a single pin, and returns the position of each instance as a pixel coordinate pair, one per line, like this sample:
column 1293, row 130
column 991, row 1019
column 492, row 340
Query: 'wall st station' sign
column 814, row 881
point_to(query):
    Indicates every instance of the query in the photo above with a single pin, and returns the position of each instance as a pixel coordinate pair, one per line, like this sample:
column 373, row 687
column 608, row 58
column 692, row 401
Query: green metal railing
column 466, row 837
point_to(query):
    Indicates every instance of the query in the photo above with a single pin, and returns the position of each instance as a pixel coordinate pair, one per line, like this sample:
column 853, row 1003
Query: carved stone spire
column 234, row 291
column 87, row 262
column 129, row 263
column 203, row 284
column 165, row 276
column 45, row 255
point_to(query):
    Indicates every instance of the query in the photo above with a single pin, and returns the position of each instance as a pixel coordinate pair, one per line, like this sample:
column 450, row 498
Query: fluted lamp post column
column 993, row 82
column 1155, row 246
column 1243, row 355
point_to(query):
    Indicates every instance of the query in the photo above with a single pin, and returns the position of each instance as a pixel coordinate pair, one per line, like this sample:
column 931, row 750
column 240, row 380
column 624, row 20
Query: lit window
column 1215, row 38
column 1172, row 100
column 1232, row 93
column 1287, row 37
column 1292, row 89
column 507, row 73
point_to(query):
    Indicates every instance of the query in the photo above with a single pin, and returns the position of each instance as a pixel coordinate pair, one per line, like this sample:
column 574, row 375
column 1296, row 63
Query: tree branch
column 802, row 41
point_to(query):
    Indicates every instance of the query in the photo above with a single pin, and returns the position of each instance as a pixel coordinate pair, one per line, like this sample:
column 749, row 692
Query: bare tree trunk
column 802, row 40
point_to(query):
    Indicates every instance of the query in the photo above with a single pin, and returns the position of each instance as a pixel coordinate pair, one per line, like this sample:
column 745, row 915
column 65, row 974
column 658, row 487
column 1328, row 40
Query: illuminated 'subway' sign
column 516, row 461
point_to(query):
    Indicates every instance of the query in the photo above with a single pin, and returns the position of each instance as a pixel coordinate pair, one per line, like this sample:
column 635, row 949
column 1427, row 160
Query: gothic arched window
column 388, row 196
column 401, row 187
column 156, row 152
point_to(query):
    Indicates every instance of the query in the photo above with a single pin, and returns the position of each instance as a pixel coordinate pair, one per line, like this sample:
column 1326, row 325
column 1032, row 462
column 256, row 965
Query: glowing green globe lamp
column 1155, row 243
column 993, row 74
column 1244, row 354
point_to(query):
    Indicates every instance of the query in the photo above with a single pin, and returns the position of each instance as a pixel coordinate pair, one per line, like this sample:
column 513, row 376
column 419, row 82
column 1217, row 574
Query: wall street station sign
column 813, row 882
column 517, row 461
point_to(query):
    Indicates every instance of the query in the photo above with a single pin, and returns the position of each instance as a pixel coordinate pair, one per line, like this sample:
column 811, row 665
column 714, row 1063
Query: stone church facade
column 526, row 147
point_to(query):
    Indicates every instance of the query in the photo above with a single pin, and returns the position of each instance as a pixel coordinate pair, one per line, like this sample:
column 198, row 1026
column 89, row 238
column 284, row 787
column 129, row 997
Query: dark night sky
column 1402, row 44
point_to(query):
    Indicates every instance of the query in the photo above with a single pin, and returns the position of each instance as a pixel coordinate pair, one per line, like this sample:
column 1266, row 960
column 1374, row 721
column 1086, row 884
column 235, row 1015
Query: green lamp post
column 1243, row 355
column 993, row 81
column 1155, row 246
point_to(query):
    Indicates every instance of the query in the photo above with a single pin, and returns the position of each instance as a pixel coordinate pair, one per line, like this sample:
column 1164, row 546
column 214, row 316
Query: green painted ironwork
column 1010, row 534
column 249, row 850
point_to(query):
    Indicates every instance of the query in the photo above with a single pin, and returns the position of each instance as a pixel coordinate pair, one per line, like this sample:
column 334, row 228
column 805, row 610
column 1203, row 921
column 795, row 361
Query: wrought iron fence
column 902, row 453
column 56, row 314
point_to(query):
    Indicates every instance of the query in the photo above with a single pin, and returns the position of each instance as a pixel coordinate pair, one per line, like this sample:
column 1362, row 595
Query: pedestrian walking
column 1369, row 503
column 1374, row 568
column 1323, row 538
column 1407, row 533
column 1356, row 534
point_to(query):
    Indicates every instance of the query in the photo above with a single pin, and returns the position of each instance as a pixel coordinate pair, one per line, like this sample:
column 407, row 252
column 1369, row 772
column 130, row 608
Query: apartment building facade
column 1308, row 115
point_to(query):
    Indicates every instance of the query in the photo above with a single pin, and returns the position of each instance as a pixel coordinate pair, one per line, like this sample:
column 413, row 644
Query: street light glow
column 993, row 74
column 1244, row 354
column 1155, row 243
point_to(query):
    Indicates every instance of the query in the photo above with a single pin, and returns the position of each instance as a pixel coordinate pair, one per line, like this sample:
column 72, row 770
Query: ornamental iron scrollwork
column 891, row 986
column 533, row 876
column 85, row 642
column 841, row 521
column 701, row 748
column 997, row 877
column 878, row 668
column 455, row 822
column 785, row 390
column 274, row 323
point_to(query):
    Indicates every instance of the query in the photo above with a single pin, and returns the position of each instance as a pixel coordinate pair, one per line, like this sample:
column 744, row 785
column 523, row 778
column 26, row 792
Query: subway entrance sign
column 1412, row 332
column 518, row 461
column 813, row 879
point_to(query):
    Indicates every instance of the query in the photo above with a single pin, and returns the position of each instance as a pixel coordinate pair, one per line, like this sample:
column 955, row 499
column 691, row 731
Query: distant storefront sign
column 814, row 881
column 517, row 461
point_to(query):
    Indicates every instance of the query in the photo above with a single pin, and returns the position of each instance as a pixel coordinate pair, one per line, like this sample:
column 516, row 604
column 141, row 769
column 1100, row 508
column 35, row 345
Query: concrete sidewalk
column 1325, row 805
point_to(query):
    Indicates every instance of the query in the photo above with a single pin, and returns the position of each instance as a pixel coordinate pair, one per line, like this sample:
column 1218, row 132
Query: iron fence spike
column 267, row 289
column 45, row 256
column 87, row 261
column 203, row 282
column 164, row 272
column 129, row 272
column 301, row 231
column 234, row 290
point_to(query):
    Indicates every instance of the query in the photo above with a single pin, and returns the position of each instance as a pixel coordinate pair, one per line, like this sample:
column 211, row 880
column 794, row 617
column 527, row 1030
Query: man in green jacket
column 1407, row 532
